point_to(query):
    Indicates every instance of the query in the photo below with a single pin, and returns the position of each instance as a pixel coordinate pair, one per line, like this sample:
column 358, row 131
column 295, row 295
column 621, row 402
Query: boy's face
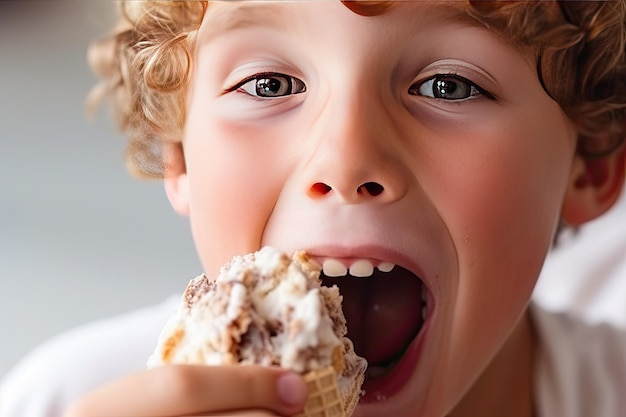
column 413, row 138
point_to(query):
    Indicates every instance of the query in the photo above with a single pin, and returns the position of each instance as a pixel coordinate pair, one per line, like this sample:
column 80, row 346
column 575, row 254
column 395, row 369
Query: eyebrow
column 243, row 15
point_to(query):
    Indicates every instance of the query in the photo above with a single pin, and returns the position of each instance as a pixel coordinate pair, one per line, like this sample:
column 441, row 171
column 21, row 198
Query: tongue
column 383, row 313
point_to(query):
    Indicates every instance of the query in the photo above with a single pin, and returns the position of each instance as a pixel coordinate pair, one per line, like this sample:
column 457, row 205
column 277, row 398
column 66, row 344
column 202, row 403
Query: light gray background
column 80, row 238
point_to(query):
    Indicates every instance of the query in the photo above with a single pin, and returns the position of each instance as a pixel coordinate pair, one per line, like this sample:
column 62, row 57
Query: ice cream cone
column 266, row 308
column 352, row 394
column 324, row 398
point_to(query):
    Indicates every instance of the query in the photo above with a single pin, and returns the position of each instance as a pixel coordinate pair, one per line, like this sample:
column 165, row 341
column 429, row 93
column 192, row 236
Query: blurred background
column 80, row 239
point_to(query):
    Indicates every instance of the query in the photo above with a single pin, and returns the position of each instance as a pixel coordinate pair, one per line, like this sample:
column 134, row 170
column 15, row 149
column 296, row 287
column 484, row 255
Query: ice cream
column 266, row 309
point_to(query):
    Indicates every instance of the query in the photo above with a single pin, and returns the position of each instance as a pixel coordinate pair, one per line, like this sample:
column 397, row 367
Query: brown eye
column 450, row 88
column 446, row 87
column 271, row 85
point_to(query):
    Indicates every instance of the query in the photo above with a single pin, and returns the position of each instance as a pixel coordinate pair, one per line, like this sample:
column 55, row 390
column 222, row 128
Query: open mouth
column 385, row 308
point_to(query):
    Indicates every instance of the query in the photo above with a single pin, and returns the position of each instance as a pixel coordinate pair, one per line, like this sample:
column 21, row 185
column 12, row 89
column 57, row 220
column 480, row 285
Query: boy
column 446, row 139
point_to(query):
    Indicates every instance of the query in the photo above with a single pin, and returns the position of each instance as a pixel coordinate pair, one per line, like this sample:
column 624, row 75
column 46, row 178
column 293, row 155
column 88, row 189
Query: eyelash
column 474, row 90
column 294, row 84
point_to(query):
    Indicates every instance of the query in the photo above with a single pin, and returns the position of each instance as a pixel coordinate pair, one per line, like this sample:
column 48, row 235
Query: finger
column 177, row 390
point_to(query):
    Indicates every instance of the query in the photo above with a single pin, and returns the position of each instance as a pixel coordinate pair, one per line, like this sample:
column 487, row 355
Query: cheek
column 512, row 212
column 501, row 204
column 233, row 188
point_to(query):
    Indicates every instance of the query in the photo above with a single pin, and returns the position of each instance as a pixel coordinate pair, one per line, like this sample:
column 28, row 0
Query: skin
column 469, row 190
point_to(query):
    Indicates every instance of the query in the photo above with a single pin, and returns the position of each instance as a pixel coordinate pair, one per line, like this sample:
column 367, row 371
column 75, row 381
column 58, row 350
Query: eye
column 270, row 85
column 447, row 87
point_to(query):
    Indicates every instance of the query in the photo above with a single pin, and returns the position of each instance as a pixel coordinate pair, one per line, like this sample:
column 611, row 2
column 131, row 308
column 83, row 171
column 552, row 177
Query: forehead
column 224, row 16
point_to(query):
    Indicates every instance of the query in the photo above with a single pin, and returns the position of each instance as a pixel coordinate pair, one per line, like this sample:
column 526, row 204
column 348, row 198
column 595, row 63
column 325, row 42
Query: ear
column 175, row 177
column 595, row 185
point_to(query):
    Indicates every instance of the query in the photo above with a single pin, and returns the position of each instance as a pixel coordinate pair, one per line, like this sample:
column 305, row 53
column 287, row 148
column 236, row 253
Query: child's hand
column 180, row 390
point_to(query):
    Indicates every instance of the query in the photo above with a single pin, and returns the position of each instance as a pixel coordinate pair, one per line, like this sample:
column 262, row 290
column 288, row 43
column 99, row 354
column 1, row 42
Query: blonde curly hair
column 581, row 61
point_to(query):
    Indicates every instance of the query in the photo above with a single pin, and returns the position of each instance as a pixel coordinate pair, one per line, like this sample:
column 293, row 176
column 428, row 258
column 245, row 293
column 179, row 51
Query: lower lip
column 385, row 387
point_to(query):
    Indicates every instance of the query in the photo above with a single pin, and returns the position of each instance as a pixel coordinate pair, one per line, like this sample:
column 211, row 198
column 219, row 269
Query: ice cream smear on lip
column 263, row 308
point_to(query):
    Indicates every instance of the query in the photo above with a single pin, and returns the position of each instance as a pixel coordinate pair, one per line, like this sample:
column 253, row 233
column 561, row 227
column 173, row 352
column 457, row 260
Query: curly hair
column 581, row 61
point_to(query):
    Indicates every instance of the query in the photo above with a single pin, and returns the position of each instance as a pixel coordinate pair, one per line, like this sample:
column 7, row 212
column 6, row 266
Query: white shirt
column 73, row 363
column 581, row 369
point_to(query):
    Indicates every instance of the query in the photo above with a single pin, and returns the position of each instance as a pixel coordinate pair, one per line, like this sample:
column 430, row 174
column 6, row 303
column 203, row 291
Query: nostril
column 372, row 188
column 319, row 189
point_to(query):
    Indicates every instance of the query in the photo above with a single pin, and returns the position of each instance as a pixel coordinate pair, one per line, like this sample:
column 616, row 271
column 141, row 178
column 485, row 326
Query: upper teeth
column 359, row 268
column 385, row 266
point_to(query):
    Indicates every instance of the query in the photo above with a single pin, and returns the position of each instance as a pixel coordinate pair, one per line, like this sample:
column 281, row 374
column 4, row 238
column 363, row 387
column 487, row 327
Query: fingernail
column 291, row 389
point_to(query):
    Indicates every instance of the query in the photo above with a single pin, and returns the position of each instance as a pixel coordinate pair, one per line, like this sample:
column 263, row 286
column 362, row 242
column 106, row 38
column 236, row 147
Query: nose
column 358, row 155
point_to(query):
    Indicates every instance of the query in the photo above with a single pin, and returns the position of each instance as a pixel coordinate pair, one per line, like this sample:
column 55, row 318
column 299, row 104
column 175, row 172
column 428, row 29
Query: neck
column 506, row 387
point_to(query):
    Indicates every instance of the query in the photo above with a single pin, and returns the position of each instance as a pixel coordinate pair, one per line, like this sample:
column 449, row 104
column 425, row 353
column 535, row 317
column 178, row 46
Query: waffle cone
column 352, row 394
column 324, row 399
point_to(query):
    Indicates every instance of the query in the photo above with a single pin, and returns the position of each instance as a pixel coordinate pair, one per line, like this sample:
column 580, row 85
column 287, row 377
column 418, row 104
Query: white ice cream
column 265, row 309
